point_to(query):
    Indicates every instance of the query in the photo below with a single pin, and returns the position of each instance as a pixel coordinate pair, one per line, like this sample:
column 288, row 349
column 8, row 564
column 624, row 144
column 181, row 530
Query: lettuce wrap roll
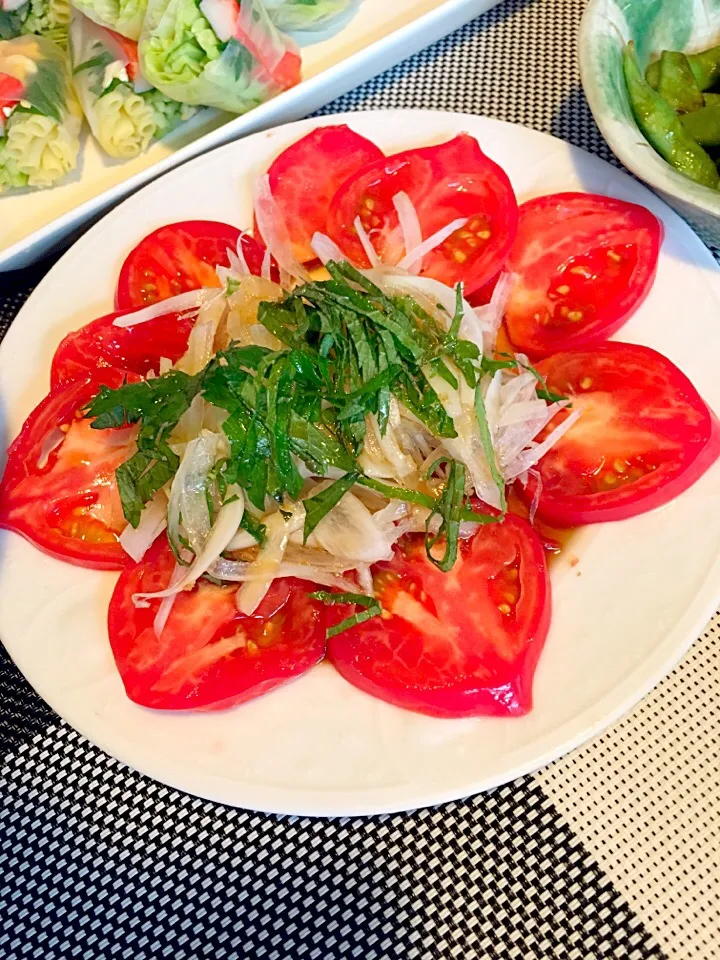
column 216, row 53
column 123, row 16
column 49, row 18
column 40, row 118
column 123, row 110
column 294, row 15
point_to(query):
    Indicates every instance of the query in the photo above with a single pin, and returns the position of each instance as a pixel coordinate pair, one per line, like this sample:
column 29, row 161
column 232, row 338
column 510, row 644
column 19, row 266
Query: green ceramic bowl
column 654, row 25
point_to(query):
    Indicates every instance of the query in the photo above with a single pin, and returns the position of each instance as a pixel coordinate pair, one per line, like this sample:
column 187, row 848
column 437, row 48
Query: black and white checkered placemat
column 612, row 852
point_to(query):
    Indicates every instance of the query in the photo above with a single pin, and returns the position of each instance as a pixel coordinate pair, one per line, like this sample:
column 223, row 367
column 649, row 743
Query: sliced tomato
column 59, row 487
column 583, row 264
column 306, row 176
column 208, row 654
column 446, row 182
column 455, row 644
column 644, row 435
column 483, row 295
column 180, row 257
column 135, row 350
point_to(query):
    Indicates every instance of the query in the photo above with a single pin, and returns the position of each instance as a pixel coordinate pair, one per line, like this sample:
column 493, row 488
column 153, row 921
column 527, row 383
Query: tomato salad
column 309, row 440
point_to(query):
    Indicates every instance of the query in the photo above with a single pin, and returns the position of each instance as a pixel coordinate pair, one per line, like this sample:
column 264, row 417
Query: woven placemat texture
column 613, row 851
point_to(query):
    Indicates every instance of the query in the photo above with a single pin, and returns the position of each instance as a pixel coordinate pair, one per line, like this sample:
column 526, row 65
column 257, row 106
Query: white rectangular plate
column 376, row 36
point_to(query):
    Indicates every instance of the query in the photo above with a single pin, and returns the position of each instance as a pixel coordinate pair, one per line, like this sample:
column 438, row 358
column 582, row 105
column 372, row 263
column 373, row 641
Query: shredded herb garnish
column 320, row 504
column 371, row 608
column 449, row 509
column 507, row 362
column 348, row 350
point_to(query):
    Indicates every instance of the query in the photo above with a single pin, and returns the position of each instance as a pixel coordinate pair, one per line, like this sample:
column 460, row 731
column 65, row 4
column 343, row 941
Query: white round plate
column 629, row 598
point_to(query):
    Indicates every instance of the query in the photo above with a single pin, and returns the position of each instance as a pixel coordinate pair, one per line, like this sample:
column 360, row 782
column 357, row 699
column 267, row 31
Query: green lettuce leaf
column 124, row 16
column 181, row 56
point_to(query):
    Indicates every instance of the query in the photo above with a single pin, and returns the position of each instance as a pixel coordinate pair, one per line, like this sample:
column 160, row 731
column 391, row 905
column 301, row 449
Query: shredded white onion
column 240, row 571
column 265, row 567
column 467, row 447
column 266, row 269
column 238, row 264
column 201, row 342
column 365, row 579
column 241, row 541
column 366, row 243
column 382, row 455
column 273, row 230
column 136, row 541
column 326, row 249
column 350, row 530
column 536, row 495
column 222, row 532
column 410, row 227
column 191, row 300
column 316, row 575
column 537, row 451
column 490, row 315
column 416, row 255
column 167, row 603
column 187, row 493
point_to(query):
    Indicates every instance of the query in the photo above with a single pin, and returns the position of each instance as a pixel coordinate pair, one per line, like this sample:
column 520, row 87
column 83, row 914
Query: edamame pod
column 704, row 125
column 663, row 128
column 705, row 68
column 677, row 84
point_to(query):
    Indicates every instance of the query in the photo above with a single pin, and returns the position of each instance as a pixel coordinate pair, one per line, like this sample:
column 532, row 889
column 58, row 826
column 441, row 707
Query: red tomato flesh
column 11, row 90
column 208, row 655
column 455, row 644
column 181, row 257
column 64, row 498
column 445, row 182
column 134, row 350
column 306, row 176
column 583, row 264
column 643, row 437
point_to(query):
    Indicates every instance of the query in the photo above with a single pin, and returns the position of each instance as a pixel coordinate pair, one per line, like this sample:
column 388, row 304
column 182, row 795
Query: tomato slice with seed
column 643, row 437
column 59, row 489
column 208, row 655
column 583, row 264
column 446, row 182
column 455, row 644
column 133, row 350
column 306, row 176
column 181, row 257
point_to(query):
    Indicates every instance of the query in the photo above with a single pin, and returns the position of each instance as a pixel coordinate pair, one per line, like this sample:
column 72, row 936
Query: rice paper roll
column 123, row 16
column 48, row 18
column 40, row 118
column 294, row 15
column 124, row 112
column 216, row 53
